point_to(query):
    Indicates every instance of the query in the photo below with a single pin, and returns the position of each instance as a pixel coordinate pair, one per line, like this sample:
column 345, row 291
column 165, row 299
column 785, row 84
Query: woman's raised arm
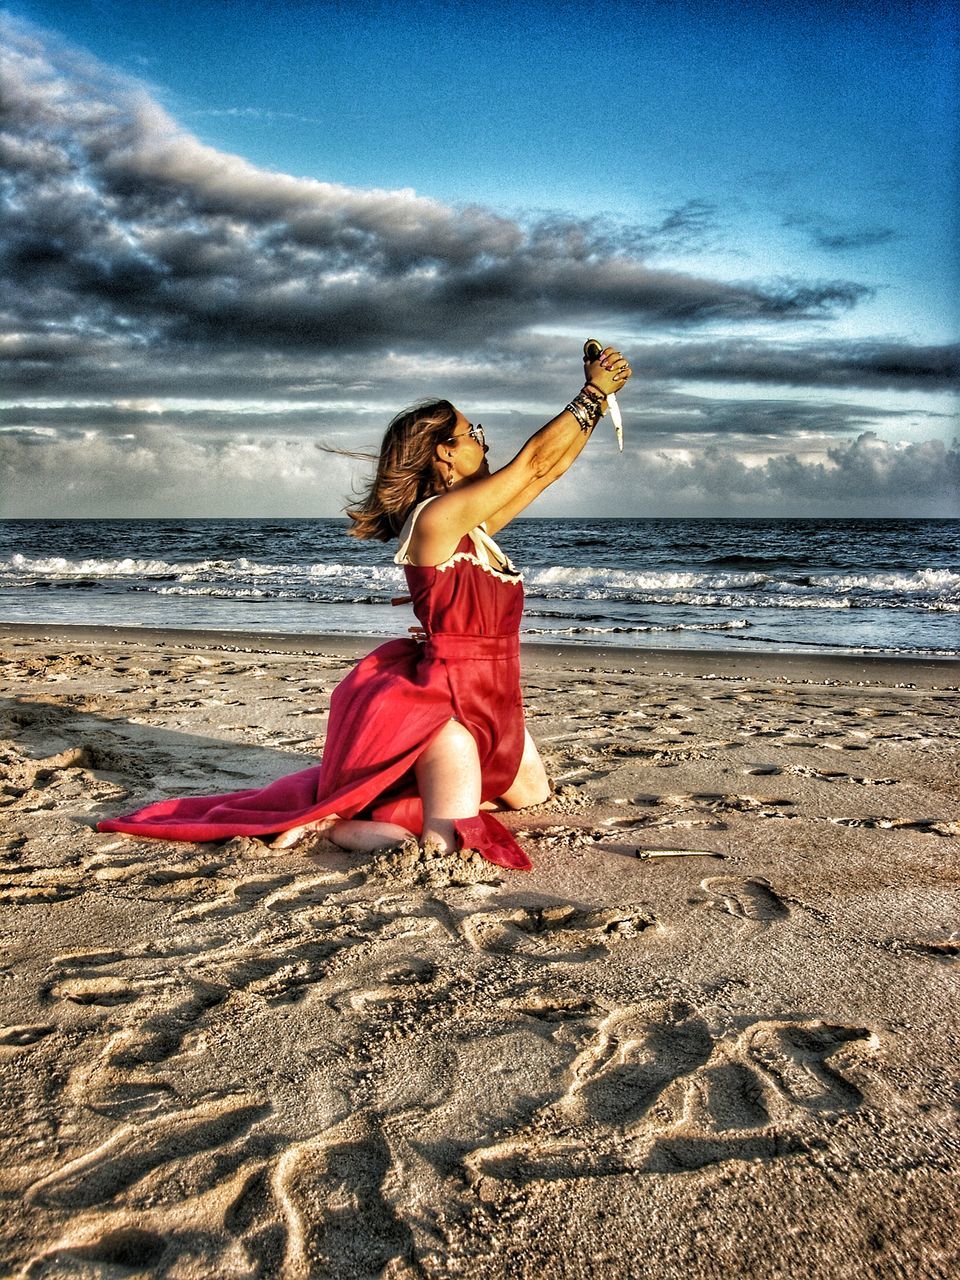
column 497, row 498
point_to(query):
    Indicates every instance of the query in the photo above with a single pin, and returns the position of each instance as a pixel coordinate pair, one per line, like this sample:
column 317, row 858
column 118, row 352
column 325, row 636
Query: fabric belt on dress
column 446, row 645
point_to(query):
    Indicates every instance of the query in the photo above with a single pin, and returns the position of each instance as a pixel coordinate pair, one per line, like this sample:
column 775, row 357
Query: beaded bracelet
column 580, row 414
column 586, row 410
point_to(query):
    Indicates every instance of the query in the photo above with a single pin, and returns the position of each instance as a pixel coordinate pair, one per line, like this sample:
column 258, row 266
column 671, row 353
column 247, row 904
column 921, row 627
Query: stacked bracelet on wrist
column 592, row 389
column 586, row 407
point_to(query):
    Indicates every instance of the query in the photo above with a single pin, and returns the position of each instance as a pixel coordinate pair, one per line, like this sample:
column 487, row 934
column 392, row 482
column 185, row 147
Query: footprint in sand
column 339, row 1220
column 43, row 886
column 578, row 774
column 310, row 891
column 638, row 1052
column 243, row 895
column 97, row 991
column 793, row 1058
column 119, row 863
column 128, row 1249
column 750, row 900
column 404, row 984
column 927, row 826
column 837, row 775
column 356, row 1230
column 703, row 808
column 24, row 1034
column 135, row 1150
column 559, row 932
column 677, row 812
column 155, row 1033
column 552, row 1009
column 657, row 1091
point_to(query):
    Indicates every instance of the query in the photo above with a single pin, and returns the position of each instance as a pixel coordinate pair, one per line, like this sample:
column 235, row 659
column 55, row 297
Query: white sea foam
column 225, row 593
column 737, row 624
column 926, row 590
column 60, row 567
column 625, row 580
column 942, row 581
column 213, row 592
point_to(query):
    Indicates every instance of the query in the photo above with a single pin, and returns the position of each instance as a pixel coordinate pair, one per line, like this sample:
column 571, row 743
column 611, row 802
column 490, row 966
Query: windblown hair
column 406, row 473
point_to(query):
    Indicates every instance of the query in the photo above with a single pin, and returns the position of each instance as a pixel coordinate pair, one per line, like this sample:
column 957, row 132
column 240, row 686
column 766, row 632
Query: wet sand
column 222, row 1060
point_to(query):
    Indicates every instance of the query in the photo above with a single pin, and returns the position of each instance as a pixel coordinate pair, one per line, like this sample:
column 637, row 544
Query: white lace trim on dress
column 488, row 556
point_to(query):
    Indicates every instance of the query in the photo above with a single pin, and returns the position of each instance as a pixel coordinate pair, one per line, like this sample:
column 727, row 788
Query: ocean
column 861, row 586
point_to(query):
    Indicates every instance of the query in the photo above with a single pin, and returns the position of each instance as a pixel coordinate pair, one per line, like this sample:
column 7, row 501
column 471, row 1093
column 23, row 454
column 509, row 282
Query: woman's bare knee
column 454, row 743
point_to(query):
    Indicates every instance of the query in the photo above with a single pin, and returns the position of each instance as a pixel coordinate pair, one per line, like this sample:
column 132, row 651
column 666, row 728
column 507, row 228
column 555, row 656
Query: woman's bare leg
column 531, row 785
column 448, row 779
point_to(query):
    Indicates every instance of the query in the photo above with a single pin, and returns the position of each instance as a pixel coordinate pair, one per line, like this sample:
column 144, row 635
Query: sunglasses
column 474, row 432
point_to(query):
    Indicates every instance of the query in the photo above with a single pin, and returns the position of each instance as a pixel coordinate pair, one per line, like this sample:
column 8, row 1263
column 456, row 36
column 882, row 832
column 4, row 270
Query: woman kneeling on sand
column 424, row 735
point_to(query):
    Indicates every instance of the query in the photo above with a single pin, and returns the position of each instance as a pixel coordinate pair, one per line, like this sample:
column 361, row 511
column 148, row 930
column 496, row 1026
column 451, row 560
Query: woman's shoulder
column 406, row 533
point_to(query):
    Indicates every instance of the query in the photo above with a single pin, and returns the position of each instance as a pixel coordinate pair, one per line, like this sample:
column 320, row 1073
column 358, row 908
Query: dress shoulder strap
column 406, row 533
column 489, row 553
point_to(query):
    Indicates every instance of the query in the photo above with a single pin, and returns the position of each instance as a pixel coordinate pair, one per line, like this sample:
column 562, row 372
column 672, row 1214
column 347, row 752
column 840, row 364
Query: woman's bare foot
column 287, row 839
column 360, row 836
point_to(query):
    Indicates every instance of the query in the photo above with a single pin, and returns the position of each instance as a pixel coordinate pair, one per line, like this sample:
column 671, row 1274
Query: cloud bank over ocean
column 179, row 328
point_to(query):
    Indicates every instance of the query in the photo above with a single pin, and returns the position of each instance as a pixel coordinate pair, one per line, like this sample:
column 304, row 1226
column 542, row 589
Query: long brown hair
column 406, row 473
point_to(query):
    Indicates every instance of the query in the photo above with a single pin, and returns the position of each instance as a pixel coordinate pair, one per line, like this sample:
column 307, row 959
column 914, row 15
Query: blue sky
column 303, row 216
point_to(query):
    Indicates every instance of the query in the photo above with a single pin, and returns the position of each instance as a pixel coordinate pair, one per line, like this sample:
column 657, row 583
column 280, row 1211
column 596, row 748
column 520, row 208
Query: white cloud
column 866, row 477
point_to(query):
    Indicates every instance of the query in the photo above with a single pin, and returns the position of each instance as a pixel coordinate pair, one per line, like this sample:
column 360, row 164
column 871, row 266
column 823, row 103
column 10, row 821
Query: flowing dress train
column 388, row 709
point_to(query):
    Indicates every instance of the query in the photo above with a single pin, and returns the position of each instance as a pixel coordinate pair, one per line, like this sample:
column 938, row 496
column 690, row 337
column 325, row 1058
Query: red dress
column 387, row 710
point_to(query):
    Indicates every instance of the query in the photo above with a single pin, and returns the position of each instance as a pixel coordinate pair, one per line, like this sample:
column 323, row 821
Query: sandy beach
column 223, row 1060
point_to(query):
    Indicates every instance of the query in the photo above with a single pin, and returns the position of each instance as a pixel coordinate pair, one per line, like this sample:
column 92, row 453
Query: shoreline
column 782, row 665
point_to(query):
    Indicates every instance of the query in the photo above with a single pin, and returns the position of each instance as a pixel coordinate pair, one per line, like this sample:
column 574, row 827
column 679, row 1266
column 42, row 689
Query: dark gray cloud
column 118, row 219
column 837, row 235
column 688, row 419
column 810, row 364
column 528, row 366
column 843, row 241
column 658, row 414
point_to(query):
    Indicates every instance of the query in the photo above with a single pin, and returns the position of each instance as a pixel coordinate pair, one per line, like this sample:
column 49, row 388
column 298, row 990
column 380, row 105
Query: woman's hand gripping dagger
column 592, row 349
